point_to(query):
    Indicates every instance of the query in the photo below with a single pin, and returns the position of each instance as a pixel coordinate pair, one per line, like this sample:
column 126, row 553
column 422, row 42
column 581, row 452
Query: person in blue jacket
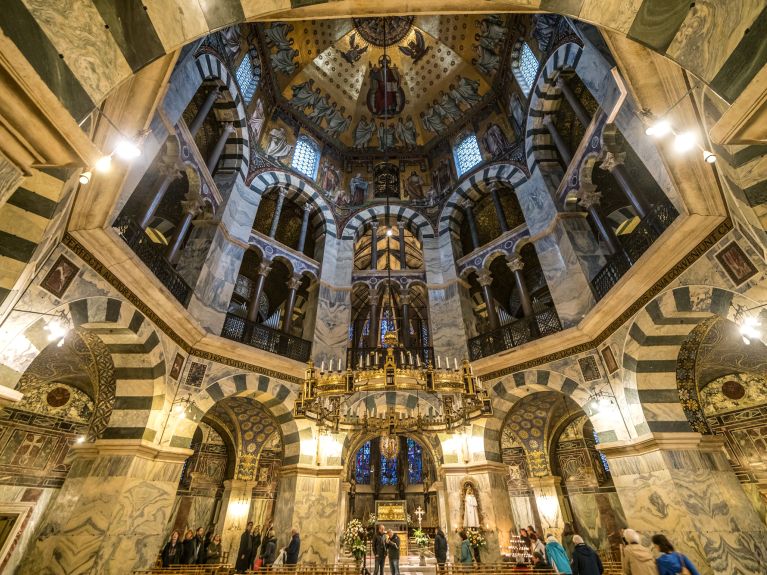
column 670, row 562
column 556, row 555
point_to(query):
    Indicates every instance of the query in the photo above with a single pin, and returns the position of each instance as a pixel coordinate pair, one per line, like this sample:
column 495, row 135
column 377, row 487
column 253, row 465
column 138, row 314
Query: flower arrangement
column 475, row 537
column 353, row 539
column 421, row 539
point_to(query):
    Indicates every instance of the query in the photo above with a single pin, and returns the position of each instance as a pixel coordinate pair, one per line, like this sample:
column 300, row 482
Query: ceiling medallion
column 387, row 31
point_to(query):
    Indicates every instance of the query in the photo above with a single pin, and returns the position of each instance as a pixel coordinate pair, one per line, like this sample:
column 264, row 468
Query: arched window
column 306, row 157
column 362, row 469
column 248, row 76
column 414, row 462
column 525, row 68
column 467, row 154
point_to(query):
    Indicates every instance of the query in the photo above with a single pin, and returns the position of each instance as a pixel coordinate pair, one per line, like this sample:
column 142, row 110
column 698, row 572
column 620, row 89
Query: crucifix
column 419, row 513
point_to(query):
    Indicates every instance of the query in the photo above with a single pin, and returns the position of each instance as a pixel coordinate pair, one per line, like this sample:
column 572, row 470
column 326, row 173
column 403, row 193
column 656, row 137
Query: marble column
column 402, row 247
column 373, row 245
column 590, row 199
column 468, row 209
column 485, row 278
column 234, row 514
column 682, row 485
column 516, row 266
column 277, row 212
column 191, row 208
column 615, row 164
column 499, row 210
column 204, row 110
column 547, row 492
column 559, row 141
column 111, row 513
column 168, row 173
column 308, row 500
column 226, row 130
column 293, row 284
column 374, row 319
column 304, row 227
column 575, row 103
column 404, row 301
column 263, row 270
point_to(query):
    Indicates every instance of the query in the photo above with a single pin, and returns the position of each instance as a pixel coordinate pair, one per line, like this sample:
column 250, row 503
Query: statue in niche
column 363, row 132
column 414, row 186
column 358, row 189
column 494, row 140
column 352, row 494
column 385, row 97
column 471, row 508
column 405, row 132
column 278, row 144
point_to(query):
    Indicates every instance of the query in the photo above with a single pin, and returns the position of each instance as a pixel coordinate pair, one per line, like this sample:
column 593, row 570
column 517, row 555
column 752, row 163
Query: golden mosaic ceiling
column 438, row 66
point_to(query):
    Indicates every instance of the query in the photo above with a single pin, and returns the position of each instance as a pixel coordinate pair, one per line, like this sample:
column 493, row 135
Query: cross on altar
column 419, row 513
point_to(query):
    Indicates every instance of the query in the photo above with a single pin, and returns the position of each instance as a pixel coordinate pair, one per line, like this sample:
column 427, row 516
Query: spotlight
column 57, row 330
column 104, row 164
column 658, row 129
column 80, row 439
column 749, row 329
column 709, row 157
column 127, row 150
column 85, row 177
column 390, row 232
column 684, row 142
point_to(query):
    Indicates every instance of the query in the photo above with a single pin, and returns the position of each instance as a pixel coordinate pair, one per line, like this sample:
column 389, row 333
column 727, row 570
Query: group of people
column 577, row 558
column 196, row 548
column 386, row 544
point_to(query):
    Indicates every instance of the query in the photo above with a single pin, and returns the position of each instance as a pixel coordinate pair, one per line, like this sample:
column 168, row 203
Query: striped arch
column 301, row 191
column 276, row 396
column 358, row 224
column 509, row 390
column 228, row 108
column 652, row 348
column 473, row 188
column 546, row 99
column 136, row 354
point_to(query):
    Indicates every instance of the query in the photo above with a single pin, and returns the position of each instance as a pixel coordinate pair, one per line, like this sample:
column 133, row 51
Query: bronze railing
column 514, row 334
column 269, row 339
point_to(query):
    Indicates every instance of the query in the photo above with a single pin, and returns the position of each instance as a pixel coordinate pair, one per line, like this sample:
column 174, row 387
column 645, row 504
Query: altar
column 393, row 515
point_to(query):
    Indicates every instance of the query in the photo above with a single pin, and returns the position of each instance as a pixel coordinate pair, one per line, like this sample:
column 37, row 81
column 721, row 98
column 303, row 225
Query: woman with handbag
column 671, row 562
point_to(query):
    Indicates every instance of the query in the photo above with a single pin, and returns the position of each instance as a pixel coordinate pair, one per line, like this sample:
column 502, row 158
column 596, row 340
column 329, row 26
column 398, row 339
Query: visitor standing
column 537, row 545
column 187, row 548
column 636, row 559
column 465, row 557
column 200, row 547
column 245, row 551
column 293, row 548
column 392, row 548
column 256, row 534
column 214, row 550
column 269, row 549
column 525, row 537
column 585, row 560
column 379, row 550
column 440, row 547
column 171, row 553
column 556, row 556
column 671, row 562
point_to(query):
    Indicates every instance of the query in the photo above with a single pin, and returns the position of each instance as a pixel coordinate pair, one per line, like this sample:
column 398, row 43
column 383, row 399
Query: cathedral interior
column 457, row 265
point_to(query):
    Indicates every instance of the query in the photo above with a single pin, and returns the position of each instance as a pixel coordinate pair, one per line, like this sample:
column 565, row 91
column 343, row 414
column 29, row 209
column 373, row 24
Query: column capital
column 264, row 268
column 516, row 264
column 405, row 298
column 485, row 278
column 548, row 120
column 588, row 196
column 294, row 282
column 374, row 224
column 170, row 167
column 467, row 204
column 307, row 207
column 611, row 160
column 192, row 205
column 227, row 127
column 374, row 298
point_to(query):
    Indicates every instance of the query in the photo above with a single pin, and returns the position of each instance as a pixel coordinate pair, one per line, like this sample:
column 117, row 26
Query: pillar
column 204, row 110
column 191, row 209
column 682, row 485
column 547, row 492
column 304, row 227
column 215, row 155
column 559, row 141
column 402, row 250
column 614, row 163
column 234, row 514
column 499, row 210
column 404, row 301
column 575, row 103
column 112, row 512
column 468, row 208
column 293, row 284
column 277, row 213
column 263, row 270
column 168, row 173
column 589, row 199
column 516, row 266
column 374, row 319
column 485, row 278
column 374, row 245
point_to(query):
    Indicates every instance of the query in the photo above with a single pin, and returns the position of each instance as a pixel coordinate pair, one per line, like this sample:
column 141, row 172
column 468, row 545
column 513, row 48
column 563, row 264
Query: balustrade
column 514, row 334
column 263, row 337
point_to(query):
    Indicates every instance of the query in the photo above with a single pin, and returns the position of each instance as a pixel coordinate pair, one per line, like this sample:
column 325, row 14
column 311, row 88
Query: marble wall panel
column 42, row 498
column 331, row 330
column 521, row 512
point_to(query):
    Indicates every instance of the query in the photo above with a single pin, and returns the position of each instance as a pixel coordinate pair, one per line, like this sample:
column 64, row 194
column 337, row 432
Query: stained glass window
column 247, row 78
column 388, row 471
column 467, row 154
column 414, row 462
column 306, row 157
column 362, row 467
column 601, row 455
column 525, row 68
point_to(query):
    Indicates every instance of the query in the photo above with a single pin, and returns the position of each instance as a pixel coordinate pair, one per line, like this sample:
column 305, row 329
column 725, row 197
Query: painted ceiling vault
column 419, row 73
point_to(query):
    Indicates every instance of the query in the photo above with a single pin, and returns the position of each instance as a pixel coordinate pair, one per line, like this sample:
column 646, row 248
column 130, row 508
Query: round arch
column 358, row 223
column 353, row 442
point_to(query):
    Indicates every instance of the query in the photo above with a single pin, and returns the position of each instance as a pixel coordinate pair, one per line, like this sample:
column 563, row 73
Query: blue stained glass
column 362, row 468
column 601, row 455
column 414, row 462
column 388, row 471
